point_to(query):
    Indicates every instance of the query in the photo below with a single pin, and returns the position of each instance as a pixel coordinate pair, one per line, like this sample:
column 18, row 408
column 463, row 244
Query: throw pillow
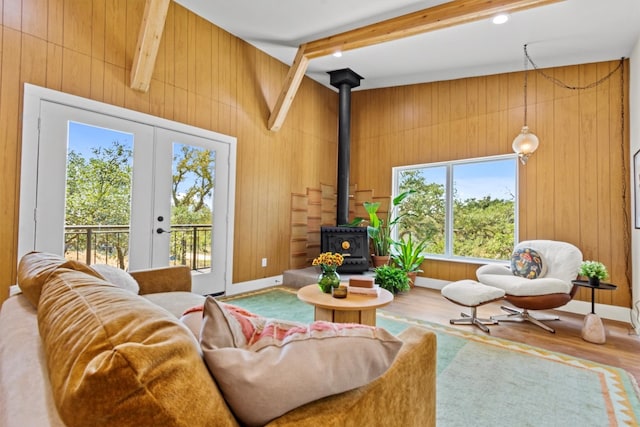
column 116, row 359
column 117, row 277
column 528, row 263
column 35, row 268
column 192, row 319
column 255, row 359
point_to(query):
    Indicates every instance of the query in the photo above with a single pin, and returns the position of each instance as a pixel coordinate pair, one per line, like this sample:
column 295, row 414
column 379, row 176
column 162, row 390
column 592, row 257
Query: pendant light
column 526, row 143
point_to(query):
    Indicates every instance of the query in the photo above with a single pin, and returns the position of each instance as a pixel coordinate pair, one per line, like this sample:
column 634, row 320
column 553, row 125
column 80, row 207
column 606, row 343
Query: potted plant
column 379, row 229
column 594, row 271
column 408, row 256
column 392, row 279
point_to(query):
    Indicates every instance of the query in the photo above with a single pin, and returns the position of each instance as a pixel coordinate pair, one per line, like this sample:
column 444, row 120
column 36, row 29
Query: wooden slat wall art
column 572, row 187
column 299, row 231
column 203, row 77
column 314, row 220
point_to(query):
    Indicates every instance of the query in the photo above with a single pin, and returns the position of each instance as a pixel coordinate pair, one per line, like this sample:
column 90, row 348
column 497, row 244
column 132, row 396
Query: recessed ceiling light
column 500, row 19
column 337, row 54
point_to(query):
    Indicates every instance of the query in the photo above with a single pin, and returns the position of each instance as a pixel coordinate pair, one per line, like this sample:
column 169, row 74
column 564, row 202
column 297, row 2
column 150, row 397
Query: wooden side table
column 593, row 329
column 354, row 308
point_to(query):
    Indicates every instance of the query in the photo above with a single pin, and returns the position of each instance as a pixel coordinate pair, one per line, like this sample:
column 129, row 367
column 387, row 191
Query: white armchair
column 551, row 289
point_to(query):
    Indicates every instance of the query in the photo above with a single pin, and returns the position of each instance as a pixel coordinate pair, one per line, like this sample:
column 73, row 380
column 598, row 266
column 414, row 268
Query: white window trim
column 448, row 255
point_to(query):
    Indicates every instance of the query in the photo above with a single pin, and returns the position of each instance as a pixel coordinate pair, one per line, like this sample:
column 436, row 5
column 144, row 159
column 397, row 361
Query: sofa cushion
column 279, row 365
column 34, row 270
column 175, row 302
column 115, row 358
column 528, row 263
column 117, row 276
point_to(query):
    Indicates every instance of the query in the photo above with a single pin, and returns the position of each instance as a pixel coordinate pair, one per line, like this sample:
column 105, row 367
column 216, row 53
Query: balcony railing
column 190, row 244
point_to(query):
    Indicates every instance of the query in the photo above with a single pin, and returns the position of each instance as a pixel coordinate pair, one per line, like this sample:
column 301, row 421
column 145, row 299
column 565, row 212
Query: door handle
column 161, row 230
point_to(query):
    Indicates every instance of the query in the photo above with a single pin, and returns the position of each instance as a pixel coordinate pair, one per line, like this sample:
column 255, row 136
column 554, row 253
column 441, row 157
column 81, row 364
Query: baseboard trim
column 605, row 311
column 253, row 285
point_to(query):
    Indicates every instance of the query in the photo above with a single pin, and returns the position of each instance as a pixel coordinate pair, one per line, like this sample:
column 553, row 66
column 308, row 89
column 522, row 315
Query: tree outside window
column 463, row 209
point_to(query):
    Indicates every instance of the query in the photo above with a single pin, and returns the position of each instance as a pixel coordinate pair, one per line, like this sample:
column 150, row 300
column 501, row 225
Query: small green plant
column 408, row 254
column 594, row 269
column 392, row 279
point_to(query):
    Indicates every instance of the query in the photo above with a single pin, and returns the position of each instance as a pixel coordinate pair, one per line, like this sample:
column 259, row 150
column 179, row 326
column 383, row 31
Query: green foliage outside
column 483, row 228
column 99, row 193
column 192, row 166
column 99, row 188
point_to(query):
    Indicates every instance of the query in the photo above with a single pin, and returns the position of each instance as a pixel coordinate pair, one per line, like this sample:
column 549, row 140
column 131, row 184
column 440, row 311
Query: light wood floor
column 622, row 348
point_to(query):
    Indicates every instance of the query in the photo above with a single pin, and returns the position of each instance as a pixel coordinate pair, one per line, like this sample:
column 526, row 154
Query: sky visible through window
column 83, row 138
column 477, row 180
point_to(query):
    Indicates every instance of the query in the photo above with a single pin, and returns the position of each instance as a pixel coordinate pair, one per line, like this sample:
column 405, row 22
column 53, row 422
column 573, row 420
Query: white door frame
column 33, row 97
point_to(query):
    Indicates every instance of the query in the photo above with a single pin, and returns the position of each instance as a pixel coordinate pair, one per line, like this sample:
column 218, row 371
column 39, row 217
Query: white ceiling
column 565, row 33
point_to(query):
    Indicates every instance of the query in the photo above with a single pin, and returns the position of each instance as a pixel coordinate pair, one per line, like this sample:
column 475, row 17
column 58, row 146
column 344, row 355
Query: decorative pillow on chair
column 527, row 262
column 267, row 367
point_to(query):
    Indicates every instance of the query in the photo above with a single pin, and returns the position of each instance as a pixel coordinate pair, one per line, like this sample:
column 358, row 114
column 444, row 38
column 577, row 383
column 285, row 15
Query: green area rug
column 485, row 381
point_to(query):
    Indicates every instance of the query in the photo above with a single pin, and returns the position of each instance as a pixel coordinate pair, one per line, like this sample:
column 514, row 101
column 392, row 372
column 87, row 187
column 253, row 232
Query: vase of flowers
column 329, row 263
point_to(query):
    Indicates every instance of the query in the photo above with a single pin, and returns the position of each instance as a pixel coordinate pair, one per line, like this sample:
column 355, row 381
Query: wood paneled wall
column 572, row 189
column 203, row 77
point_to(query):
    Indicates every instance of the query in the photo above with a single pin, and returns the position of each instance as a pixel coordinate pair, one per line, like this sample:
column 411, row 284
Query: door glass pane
column 98, row 195
column 484, row 209
column 192, row 193
column 424, row 211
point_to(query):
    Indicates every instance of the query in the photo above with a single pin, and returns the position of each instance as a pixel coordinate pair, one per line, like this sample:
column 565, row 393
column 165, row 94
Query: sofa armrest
column 404, row 396
column 163, row 279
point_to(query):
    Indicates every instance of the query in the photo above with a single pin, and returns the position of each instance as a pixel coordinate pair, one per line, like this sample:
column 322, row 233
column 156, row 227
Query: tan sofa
column 77, row 350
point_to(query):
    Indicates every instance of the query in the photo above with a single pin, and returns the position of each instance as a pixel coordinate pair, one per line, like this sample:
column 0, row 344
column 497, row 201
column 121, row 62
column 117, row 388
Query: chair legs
column 516, row 315
column 473, row 319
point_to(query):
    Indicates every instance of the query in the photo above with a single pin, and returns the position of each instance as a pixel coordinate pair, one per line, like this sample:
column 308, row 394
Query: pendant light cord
column 560, row 83
column 635, row 319
column 526, row 69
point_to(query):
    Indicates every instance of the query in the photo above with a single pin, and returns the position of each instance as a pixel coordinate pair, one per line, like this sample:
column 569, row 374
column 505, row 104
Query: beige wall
column 203, row 77
column 574, row 188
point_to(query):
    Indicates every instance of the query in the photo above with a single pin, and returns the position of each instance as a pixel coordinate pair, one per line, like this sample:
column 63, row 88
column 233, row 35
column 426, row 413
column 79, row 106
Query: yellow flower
column 328, row 259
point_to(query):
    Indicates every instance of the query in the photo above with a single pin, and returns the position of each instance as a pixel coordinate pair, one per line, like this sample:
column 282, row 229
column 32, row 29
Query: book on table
column 374, row 291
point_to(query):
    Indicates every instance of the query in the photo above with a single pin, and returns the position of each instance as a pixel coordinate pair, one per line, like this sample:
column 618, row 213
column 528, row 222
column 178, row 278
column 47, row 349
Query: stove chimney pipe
column 344, row 80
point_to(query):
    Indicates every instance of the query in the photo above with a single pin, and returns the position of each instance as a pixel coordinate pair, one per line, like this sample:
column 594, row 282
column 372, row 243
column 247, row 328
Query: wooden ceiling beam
column 291, row 84
column 445, row 15
column 151, row 29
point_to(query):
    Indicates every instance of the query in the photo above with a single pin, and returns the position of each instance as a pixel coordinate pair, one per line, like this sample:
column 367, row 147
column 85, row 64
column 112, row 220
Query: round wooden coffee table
column 354, row 308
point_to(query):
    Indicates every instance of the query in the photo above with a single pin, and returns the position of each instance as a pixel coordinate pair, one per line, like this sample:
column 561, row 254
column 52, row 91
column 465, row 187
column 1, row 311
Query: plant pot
column 412, row 278
column 594, row 281
column 379, row 260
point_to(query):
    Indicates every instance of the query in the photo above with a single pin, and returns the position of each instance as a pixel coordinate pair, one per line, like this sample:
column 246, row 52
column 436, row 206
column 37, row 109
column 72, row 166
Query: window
column 464, row 209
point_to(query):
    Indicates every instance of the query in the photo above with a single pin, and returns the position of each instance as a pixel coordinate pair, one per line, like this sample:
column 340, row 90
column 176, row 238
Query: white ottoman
column 470, row 293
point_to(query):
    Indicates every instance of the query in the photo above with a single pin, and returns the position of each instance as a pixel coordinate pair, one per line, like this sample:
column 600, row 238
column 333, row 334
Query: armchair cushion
column 521, row 286
column 528, row 263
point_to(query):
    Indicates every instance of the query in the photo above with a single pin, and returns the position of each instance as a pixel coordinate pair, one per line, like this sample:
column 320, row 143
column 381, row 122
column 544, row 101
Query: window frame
column 449, row 165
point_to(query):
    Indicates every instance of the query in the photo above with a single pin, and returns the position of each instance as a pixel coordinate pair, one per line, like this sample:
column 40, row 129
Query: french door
column 107, row 185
